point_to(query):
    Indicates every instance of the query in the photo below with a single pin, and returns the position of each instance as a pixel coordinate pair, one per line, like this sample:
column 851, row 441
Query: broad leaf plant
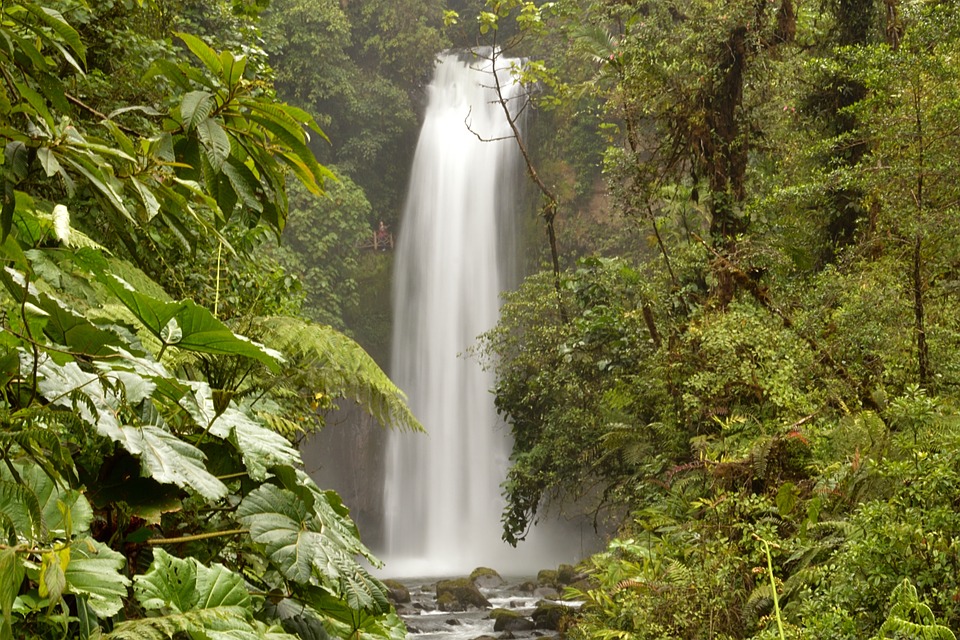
column 145, row 491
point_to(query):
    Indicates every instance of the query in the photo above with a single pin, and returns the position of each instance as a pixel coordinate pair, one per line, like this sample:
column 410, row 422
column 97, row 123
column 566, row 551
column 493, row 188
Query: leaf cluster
column 143, row 490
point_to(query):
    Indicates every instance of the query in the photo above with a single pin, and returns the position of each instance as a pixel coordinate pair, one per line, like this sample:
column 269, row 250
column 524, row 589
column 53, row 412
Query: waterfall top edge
column 475, row 54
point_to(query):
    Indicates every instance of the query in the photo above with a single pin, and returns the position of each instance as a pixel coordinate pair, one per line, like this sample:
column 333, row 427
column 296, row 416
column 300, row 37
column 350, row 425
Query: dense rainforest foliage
column 738, row 342
column 157, row 362
column 756, row 377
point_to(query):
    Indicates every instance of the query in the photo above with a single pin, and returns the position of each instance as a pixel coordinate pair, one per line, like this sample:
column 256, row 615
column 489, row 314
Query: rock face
column 460, row 595
column 351, row 460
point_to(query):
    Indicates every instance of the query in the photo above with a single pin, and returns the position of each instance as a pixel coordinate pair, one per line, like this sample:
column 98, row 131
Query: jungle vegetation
column 748, row 359
column 158, row 363
column 737, row 345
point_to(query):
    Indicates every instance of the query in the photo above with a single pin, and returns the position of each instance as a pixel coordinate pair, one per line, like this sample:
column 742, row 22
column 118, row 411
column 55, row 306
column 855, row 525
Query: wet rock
column 585, row 583
column 398, row 593
column 550, row 616
column 566, row 574
column 460, row 595
column 527, row 587
column 547, row 578
column 486, row 578
column 486, row 638
column 547, row 593
column 507, row 620
column 453, row 622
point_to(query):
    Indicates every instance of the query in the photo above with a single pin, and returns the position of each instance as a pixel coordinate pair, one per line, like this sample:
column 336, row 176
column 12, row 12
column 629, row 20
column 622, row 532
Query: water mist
column 454, row 257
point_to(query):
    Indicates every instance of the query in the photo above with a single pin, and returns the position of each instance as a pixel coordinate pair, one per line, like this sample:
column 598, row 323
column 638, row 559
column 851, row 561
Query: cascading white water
column 443, row 503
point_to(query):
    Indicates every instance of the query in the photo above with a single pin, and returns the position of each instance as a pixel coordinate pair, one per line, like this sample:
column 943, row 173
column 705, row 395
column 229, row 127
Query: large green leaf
column 215, row 142
column 55, row 20
column 203, row 51
column 346, row 620
column 195, row 107
column 189, row 326
column 163, row 456
column 20, row 508
column 58, row 383
column 201, row 622
column 329, row 509
column 289, row 533
column 208, row 602
column 103, row 183
column 11, row 578
column 169, row 460
column 170, row 585
column 94, row 571
column 244, row 183
column 66, row 512
column 312, row 543
column 260, row 447
column 67, row 327
column 177, row 585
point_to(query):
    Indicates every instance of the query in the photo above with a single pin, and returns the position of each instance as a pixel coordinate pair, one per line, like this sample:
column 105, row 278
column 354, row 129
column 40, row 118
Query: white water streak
column 443, row 503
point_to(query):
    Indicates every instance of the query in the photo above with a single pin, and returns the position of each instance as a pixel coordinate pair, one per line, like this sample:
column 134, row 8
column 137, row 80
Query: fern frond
column 900, row 628
column 329, row 362
column 287, row 428
column 843, row 528
column 760, row 601
column 804, row 577
column 632, row 583
column 38, row 432
column 677, row 573
column 907, row 607
column 760, row 456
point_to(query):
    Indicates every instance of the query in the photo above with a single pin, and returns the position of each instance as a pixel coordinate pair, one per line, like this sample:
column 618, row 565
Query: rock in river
column 460, row 595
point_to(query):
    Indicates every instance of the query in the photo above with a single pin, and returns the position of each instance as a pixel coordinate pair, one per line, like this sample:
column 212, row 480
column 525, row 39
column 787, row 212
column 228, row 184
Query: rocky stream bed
column 486, row 606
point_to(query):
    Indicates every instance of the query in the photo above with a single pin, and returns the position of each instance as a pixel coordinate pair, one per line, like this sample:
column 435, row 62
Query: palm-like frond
column 327, row 361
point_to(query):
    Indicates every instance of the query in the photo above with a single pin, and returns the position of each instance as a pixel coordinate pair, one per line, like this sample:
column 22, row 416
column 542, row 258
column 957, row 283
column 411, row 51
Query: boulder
column 507, row 620
column 547, row 578
column 448, row 602
column 567, row 574
column 527, row 587
column 585, row 583
column 460, row 595
column 547, row 593
column 486, row 578
column 549, row 615
column 398, row 593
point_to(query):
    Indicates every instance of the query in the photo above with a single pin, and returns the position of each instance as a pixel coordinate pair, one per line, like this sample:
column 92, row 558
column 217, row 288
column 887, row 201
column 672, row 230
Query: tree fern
column 760, row 601
column 326, row 361
column 35, row 435
column 911, row 618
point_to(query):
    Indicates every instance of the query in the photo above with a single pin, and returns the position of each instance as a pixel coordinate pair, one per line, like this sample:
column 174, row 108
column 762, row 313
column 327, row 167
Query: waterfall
column 454, row 254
